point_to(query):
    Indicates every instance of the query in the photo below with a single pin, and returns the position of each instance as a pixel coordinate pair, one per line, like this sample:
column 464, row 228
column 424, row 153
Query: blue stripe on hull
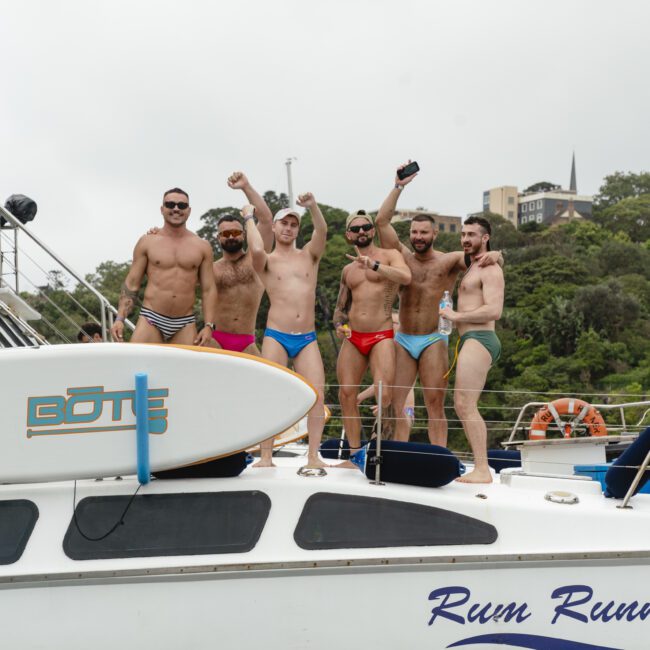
column 531, row 641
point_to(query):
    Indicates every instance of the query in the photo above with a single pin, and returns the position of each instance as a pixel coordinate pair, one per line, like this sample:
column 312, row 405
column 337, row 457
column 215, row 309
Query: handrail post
column 104, row 328
column 378, row 458
column 16, row 259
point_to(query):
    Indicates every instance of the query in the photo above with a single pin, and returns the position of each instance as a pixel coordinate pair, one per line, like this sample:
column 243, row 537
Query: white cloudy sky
column 106, row 104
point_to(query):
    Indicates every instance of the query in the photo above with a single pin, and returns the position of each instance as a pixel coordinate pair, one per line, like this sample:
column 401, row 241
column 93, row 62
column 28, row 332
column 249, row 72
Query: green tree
column 606, row 308
column 504, row 234
column 560, row 325
column 542, row 186
column 619, row 186
column 630, row 215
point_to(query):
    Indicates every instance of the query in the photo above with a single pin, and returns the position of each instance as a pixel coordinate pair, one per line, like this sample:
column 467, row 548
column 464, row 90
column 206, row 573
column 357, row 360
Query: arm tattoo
column 343, row 302
column 389, row 298
column 127, row 298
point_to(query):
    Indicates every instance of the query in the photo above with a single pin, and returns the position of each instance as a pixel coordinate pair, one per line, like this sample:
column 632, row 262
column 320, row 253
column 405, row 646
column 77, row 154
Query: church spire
column 573, row 185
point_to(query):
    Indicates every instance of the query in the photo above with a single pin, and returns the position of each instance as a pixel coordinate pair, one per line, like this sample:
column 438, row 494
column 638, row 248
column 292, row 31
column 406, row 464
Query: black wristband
column 375, row 266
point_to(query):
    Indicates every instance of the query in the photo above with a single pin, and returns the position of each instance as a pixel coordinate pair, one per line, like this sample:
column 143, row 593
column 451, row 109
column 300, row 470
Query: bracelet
column 399, row 187
column 248, row 217
column 119, row 319
column 375, row 266
column 210, row 325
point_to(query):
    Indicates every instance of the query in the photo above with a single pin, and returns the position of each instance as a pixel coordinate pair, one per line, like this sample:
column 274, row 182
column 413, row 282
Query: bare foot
column 264, row 463
column 476, row 476
column 316, row 464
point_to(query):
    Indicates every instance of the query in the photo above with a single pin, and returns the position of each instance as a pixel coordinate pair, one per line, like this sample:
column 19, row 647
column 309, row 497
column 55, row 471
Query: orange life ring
column 585, row 413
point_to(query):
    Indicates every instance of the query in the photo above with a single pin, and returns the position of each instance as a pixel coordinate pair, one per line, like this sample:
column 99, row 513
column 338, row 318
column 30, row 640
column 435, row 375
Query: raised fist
column 237, row 181
column 306, row 200
column 248, row 210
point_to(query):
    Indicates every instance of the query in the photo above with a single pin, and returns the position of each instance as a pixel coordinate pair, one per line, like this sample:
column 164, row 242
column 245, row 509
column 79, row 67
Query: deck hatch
column 17, row 520
column 191, row 523
column 331, row 521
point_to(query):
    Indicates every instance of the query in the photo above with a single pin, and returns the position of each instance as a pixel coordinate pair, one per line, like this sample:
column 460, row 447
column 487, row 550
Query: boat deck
column 525, row 525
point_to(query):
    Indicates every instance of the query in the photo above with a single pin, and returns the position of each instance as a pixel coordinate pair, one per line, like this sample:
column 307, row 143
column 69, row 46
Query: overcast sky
column 106, row 104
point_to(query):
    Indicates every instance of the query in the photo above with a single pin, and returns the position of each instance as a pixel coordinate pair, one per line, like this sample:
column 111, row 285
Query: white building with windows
column 502, row 200
column 550, row 205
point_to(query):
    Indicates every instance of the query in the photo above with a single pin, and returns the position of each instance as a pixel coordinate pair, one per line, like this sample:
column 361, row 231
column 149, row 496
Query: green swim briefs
column 487, row 338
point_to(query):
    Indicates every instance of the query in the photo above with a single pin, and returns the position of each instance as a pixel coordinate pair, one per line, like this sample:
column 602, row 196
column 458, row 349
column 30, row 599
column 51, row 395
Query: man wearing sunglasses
column 239, row 289
column 173, row 260
column 289, row 275
column 363, row 318
column 419, row 348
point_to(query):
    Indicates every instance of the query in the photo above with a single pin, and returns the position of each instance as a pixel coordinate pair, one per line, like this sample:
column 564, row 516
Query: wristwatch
column 375, row 266
column 211, row 326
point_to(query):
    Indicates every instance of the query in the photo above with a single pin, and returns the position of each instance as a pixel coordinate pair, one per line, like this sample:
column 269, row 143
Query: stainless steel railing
column 106, row 309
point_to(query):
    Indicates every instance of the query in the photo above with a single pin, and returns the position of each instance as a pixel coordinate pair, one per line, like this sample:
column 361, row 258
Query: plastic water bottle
column 444, row 324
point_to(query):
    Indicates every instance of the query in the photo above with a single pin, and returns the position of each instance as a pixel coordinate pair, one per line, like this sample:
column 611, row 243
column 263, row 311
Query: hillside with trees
column 577, row 302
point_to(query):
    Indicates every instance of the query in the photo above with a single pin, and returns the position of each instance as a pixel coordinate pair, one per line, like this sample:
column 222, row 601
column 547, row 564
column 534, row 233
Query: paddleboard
column 292, row 434
column 68, row 411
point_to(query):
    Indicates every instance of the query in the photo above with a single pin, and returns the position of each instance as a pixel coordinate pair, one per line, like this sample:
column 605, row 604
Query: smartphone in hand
column 409, row 170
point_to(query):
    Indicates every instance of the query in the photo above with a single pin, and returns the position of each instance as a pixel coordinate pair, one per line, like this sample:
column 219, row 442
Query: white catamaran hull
column 535, row 604
column 556, row 576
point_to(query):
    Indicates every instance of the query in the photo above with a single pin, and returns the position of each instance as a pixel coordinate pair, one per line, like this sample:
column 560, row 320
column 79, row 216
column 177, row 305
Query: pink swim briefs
column 234, row 342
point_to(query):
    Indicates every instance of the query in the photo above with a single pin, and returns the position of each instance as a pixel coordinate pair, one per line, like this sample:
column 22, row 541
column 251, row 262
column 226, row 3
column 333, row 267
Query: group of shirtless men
column 260, row 254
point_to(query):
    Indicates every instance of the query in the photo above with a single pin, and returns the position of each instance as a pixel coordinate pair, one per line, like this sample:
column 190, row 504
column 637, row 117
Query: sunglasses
column 227, row 234
column 366, row 228
column 182, row 205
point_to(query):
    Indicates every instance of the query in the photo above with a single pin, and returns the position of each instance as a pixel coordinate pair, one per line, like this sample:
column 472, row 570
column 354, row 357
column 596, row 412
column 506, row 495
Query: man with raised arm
column 480, row 302
column 289, row 275
column 363, row 319
column 239, row 289
column 173, row 260
column 419, row 348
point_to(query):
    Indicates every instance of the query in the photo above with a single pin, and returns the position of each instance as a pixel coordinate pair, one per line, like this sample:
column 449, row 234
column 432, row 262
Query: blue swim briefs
column 416, row 344
column 292, row 343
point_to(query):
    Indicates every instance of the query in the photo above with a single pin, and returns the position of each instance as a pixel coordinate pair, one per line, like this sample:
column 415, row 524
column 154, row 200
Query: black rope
column 113, row 529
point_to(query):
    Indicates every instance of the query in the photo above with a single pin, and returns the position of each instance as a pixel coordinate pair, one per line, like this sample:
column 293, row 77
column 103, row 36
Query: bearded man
column 239, row 289
column 363, row 319
column 419, row 348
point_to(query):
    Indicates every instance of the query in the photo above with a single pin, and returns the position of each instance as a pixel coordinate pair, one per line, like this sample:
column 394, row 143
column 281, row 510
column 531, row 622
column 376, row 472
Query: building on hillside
column 445, row 223
column 543, row 203
column 556, row 206
column 502, row 200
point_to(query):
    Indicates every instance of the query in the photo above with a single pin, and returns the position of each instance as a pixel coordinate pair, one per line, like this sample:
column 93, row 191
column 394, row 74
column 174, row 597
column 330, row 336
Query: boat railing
column 622, row 427
column 14, row 327
column 502, row 431
column 14, row 260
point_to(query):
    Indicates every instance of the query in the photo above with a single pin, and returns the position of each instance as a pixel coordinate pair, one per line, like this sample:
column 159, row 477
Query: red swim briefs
column 365, row 341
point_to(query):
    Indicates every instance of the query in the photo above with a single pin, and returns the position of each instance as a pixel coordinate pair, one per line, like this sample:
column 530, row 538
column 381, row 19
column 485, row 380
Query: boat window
column 17, row 520
column 191, row 523
column 345, row 521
